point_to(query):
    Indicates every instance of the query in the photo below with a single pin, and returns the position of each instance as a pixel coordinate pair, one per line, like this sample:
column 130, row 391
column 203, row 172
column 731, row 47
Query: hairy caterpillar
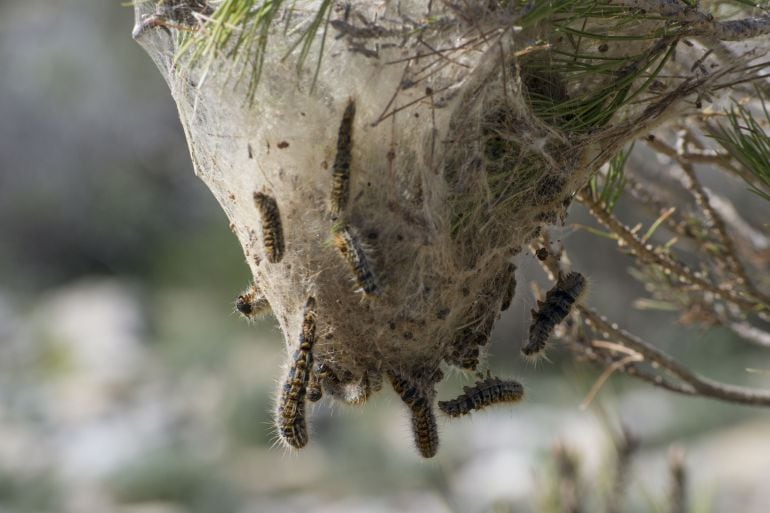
column 424, row 426
column 252, row 303
column 290, row 415
column 272, row 231
column 294, row 432
column 484, row 393
column 425, row 429
column 549, row 313
column 341, row 169
column 353, row 252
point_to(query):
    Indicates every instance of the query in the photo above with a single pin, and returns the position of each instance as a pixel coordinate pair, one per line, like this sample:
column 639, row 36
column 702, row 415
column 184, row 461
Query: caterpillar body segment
column 272, row 230
column 557, row 305
column 294, row 432
column 351, row 249
column 406, row 390
column 484, row 393
column 341, row 169
column 424, row 426
column 290, row 415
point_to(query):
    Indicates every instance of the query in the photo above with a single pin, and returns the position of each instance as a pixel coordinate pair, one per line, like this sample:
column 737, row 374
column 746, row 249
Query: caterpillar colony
column 382, row 193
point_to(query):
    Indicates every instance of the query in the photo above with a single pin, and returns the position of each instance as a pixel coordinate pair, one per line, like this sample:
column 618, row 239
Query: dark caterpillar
column 510, row 287
column 424, row 429
column 484, row 393
column 557, row 305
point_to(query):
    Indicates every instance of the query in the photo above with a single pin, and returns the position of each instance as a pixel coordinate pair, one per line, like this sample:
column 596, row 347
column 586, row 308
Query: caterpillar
column 549, row 313
column 425, row 429
column 294, row 432
column 353, row 252
column 341, row 168
column 510, row 286
column 272, row 231
column 314, row 388
column 290, row 415
column 251, row 303
column 424, row 426
column 484, row 393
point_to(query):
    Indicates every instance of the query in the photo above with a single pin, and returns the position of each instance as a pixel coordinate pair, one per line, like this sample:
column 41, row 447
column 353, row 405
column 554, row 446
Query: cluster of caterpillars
column 307, row 380
column 346, row 238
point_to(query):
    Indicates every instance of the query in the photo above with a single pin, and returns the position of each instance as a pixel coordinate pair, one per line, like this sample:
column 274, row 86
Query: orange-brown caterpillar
column 341, row 169
column 557, row 304
column 290, row 415
column 252, row 303
column 424, row 426
column 483, row 393
column 353, row 253
column 272, row 231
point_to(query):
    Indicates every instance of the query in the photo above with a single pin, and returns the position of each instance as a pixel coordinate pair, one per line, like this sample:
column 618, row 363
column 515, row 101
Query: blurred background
column 127, row 383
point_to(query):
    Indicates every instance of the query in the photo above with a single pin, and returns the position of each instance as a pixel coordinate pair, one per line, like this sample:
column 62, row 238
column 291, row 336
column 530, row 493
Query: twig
column 677, row 498
column 738, row 30
column 569, row 488
column 646, row 253
column 617, row 365
column 626, row 447
column 703, row 24
column 703, row 201
column 700, row 385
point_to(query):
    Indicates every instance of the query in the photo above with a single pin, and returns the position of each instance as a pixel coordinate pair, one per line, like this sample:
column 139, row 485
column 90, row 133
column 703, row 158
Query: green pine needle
column 745, row 139
column 239, row 31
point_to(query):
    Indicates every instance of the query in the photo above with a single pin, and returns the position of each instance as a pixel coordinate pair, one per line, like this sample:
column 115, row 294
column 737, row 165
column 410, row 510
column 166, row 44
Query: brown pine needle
column 633, row 356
